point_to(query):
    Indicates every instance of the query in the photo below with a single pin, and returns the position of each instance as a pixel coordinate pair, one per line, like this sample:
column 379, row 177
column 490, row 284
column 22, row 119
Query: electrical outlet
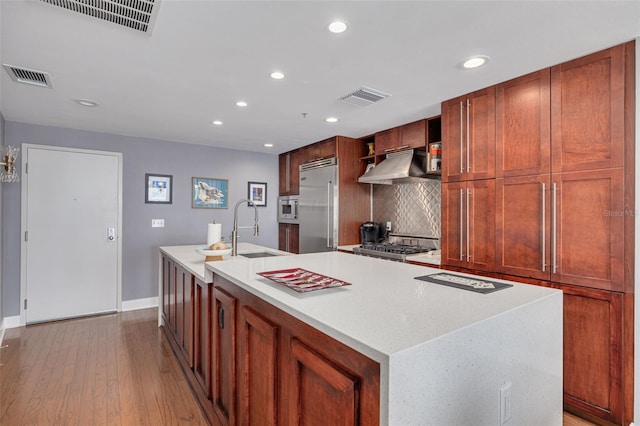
column 157, row 223
column 389, row 226
column 505, row 403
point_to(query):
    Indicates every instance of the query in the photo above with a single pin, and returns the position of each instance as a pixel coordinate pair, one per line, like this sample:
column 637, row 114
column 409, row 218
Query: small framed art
column 257, row 194
column 209, row 193
column 158, row 189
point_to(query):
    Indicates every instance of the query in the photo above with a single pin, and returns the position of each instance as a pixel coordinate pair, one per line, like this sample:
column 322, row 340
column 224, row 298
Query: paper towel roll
column 214, row 233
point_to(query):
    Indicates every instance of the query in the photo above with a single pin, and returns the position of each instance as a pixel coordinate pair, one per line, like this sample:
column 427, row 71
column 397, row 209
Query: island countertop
column 385, row 310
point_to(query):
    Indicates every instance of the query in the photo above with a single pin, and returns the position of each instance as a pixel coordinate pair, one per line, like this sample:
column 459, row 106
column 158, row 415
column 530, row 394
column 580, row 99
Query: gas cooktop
column 398, row 247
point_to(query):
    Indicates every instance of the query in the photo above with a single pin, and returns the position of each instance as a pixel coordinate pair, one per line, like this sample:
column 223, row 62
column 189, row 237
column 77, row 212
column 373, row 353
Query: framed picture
column 209, row 193
column 257, row 194
column 158, row 189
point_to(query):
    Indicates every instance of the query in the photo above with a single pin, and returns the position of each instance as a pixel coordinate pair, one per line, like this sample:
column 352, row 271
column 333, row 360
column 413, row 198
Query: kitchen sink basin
column 260, row 254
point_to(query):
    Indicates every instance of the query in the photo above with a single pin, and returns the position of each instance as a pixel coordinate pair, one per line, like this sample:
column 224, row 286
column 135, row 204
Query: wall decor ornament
column 158, row 189
column 257, row 194
column 209, row 193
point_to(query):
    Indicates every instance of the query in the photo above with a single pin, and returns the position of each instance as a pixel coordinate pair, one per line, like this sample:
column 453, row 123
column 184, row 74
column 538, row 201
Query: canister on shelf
column 435, row 149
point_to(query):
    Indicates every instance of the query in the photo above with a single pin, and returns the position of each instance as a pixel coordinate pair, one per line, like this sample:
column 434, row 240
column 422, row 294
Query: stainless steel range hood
column 399, row 167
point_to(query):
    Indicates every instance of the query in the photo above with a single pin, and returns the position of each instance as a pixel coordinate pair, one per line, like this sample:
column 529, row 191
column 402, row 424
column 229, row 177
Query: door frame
column 23, row 219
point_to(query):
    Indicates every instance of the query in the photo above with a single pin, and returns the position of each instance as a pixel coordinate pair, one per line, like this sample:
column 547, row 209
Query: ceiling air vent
column 139, row 15
column 365, row 96
column 27, row 76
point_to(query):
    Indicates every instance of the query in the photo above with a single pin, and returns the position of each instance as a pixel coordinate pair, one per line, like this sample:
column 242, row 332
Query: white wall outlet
column 157, row 223
column 505, row 403
column 388, row 226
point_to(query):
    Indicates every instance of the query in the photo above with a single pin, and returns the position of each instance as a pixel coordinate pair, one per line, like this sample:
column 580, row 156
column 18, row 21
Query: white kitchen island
column 447, row 356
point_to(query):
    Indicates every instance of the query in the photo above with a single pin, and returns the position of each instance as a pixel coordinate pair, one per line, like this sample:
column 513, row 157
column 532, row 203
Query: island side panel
column 457, row 378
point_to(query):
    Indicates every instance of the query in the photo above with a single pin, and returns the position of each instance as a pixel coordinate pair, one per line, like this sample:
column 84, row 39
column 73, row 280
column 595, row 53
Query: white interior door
column 71, row 217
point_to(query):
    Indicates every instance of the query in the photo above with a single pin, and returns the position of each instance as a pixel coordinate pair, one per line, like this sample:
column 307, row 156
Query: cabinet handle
column 220, row 317
column 461, row 222
column 403, row 147
column 329, row 215
column 468, row 254
column 468, row 161
column 389, row 149
column 461, row 139
column 553, row 231
column 543, row 243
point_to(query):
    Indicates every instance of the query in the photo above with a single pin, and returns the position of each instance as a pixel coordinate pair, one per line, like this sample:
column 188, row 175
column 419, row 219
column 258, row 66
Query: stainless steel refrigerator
column 318, row 206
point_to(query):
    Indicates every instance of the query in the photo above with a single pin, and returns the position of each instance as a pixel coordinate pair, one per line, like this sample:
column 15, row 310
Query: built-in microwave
column 288, row 209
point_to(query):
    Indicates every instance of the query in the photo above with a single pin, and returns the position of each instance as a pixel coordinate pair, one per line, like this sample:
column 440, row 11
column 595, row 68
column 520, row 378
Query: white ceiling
column 203, row 56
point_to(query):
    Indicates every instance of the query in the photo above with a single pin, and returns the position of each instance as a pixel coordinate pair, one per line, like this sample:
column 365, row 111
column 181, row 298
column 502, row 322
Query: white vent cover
column 365, row 96
column 27, row 76
column 135, row 14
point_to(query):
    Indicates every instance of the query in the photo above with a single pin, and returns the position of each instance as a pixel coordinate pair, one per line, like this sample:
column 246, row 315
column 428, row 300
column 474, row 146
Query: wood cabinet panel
column 289, row 173
column 590, row 228
column 387, row 141
column 289, row 237
column 469, row 139
column 257, row 370
column 322, row 393
column 166, row 300
column 468, row 224
column 223, row 357
column 588, row 112
column 523, row 226
column 523, row 124
column 202, row 337
column 413, row 135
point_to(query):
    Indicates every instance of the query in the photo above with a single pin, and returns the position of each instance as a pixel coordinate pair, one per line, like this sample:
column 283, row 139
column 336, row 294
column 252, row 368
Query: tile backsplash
column 412, row 208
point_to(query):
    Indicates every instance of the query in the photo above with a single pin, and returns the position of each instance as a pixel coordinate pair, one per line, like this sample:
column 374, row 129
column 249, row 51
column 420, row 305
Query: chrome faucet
column 234, row 233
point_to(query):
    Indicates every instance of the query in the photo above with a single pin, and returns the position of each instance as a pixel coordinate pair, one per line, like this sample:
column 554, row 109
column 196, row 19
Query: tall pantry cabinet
column 564, row 179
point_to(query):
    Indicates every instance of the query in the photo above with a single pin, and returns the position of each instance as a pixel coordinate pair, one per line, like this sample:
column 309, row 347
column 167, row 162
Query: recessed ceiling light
column 337, row 27
column 217, row 122
column 331, row 119
column 475, row 61
column 86, row 102
column 277, row 75
column 268, row 145
column 241, row 103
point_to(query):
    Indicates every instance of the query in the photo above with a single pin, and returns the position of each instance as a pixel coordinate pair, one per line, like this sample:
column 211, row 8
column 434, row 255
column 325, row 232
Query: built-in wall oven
column 288, row 209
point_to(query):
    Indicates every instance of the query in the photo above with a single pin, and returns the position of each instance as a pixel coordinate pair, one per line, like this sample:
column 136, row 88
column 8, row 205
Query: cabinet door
column 294, row 173
column 257, row 370
column 172, row 297
column 322, row 392
column 587, row 112
column 523, row 126
column 289, row 237
column 223, row 357
column 179, row 304
column 453, row 223
column 481, row 134
column 594, row 353
column 386, row 141
column 202, row 337
column 453, row 142
column 481, row 224
column 325, row 149
column 187, row 322
column 523, row 226
column 413, row 135
column 294, row 238
column 589, row 236
column 283, row 236
column 283, row 173
column 166, row 304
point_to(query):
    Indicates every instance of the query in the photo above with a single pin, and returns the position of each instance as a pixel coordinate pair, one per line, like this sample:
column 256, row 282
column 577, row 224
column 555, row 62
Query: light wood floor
column 109, row 370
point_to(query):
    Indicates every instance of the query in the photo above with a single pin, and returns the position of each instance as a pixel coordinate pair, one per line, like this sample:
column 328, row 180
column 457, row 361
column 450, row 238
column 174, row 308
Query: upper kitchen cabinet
column 468, row 136
column 407, row 136
column 318, row 151
column 588, row 111
column 523, row 123
column 289, row 163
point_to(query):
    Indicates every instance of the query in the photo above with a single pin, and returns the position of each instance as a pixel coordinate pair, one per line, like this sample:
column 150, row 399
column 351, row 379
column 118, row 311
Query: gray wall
column 140, row 242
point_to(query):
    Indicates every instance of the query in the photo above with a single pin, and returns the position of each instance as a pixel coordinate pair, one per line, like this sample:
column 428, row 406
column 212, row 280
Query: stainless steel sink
column 260, row 254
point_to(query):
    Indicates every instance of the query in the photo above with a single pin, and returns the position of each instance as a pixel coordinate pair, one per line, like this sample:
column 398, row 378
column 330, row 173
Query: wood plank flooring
column 108, row 370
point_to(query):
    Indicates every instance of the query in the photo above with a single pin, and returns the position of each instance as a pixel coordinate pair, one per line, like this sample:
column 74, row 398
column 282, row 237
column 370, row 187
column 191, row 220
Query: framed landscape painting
column 209, row 193
column 158, row 188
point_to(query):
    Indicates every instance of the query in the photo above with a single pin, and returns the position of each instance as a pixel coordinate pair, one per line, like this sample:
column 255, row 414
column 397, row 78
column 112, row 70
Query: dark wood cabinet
column 289, row 163
column 289, row 237
column 318, row 151
column 223, row 357
column 257, row 369
column 168, row 269
column 468, row 224
column 523, row 124
column 407, row 136
column 184, row 313
column 468, row 133
column 588, row 111
column 202, row 336
column 387, row 141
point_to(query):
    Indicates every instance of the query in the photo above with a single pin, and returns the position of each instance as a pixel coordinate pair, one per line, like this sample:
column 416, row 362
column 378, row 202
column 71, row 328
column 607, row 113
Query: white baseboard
column 11, row 322
column 132, row 305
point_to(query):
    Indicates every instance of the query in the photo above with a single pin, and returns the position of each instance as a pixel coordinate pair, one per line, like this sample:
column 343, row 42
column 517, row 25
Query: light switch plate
column 157, row 223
